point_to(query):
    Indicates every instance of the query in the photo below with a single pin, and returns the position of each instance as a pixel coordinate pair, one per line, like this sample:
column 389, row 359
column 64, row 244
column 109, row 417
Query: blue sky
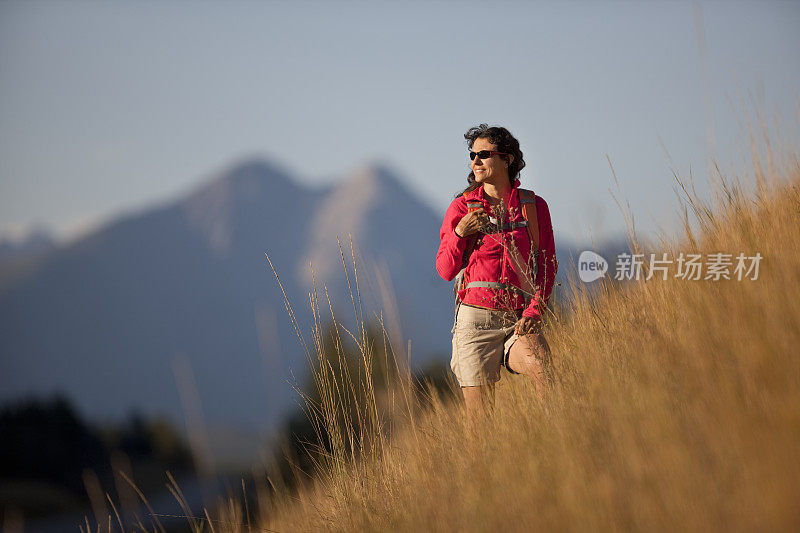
column 107, row 107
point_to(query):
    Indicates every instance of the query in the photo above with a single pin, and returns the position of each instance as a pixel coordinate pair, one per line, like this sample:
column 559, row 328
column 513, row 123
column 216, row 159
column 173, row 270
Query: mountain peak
column 248, row 182
column 244, row 180
column 249, row 175
column 373, row 180
column 374, row 171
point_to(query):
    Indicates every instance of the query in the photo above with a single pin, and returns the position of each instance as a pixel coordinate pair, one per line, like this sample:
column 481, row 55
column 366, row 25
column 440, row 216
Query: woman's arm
column 546, row 263
column 451, row 249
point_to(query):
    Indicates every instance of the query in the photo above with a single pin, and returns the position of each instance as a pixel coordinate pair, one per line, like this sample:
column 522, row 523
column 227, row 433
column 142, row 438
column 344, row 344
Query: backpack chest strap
column 507, row 226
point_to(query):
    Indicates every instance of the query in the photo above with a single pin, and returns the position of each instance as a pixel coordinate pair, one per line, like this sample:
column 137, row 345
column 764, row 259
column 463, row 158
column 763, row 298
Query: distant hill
column 19, row 257
column 37, row 241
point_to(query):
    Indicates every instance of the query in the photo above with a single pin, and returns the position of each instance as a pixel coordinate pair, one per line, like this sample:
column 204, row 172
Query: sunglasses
column 484, row 154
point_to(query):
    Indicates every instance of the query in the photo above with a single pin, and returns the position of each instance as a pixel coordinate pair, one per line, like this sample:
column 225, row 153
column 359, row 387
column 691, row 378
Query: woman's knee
column 529, row 356
column 531, row 367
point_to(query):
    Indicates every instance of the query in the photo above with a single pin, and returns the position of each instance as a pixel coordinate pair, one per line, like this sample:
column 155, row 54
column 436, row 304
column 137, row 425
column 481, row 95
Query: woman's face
column 491, row 170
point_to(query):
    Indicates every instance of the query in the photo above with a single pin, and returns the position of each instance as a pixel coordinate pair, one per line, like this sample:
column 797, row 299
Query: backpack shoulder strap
column 471, row 206
column 527, row 200
column 471, row 243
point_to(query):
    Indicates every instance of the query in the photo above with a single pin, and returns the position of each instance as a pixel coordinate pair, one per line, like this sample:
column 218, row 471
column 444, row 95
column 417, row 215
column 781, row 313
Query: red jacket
column 491, row 258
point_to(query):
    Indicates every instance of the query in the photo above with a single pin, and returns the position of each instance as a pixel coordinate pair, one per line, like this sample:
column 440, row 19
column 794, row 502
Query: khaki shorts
column 481, row 341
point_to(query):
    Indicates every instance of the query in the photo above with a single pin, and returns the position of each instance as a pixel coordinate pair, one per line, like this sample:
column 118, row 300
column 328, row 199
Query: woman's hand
column 472, row 222
column 527, row 325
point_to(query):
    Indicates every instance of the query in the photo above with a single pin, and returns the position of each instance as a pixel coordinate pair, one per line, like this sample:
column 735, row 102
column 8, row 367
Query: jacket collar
column 479, row 195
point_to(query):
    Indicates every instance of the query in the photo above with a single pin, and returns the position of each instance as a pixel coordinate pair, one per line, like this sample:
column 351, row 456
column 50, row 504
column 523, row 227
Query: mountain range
column 105, row 318
column 180, row 297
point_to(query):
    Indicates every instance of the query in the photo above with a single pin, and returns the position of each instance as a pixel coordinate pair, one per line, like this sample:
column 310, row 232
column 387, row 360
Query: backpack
column 527, row 200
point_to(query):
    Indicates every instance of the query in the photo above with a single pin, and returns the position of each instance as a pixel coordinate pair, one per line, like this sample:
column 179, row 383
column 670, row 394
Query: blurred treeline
column 48, row 455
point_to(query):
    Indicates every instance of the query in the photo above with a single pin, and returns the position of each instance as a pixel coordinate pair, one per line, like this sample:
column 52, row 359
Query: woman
column 506, row 285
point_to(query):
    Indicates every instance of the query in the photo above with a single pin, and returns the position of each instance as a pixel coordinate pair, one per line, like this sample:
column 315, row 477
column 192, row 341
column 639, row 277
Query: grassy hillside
column 675, row 405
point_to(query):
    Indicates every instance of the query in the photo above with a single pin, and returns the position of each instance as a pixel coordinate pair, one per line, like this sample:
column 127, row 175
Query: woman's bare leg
column 530, row 355
column 478, row 400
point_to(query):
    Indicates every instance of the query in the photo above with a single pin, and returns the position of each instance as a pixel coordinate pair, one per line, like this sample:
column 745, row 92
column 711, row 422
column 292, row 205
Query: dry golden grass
column 675, row 406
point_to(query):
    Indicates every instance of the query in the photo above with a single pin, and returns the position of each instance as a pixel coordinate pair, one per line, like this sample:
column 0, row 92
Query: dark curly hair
column 504, row 141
